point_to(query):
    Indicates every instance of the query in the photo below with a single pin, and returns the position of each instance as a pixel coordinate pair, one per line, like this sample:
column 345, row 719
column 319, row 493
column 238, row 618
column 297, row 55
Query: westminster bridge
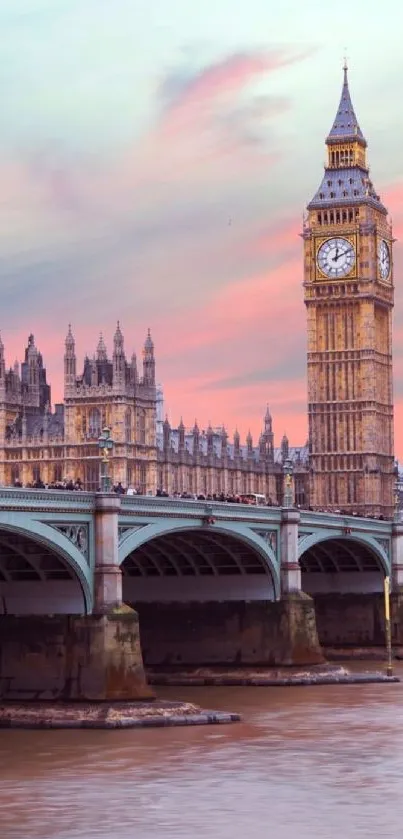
column 212, row 583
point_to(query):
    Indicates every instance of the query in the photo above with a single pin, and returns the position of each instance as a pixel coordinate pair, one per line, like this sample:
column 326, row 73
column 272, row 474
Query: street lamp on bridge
column 105, row 444
column 288, row 470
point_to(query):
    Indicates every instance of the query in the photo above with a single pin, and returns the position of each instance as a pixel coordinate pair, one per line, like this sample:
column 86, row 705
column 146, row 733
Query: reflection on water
column 306, row 762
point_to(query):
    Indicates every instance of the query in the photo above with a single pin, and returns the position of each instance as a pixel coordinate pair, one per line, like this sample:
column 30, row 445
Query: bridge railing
column 12, row 498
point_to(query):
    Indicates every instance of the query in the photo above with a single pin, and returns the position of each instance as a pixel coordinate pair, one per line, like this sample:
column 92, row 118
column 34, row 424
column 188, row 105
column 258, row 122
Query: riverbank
column 360, row 653
column 320, row 674
column 156, row 714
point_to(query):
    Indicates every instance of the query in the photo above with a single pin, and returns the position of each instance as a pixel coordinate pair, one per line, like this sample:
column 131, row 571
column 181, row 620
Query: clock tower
column 348, row 282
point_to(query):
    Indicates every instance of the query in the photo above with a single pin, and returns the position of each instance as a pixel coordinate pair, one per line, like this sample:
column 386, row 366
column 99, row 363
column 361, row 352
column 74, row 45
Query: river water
column 305, row 763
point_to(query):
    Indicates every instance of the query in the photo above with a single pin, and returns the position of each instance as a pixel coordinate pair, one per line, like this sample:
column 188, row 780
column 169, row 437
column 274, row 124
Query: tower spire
column 345, row 127
column 346, row 181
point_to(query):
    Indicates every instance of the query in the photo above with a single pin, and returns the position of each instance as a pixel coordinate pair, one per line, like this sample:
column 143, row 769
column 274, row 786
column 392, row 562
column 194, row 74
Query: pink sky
column 171, row 196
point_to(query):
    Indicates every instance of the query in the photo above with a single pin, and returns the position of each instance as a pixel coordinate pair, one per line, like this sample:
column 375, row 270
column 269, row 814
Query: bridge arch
column 173, row 560
column 342, row 563
column 41, row 571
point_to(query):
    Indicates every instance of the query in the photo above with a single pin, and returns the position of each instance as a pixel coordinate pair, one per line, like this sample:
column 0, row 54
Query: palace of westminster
column 347, row 463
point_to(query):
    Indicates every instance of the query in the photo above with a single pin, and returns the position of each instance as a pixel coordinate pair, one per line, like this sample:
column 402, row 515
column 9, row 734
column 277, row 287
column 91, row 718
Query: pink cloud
column 229, row 74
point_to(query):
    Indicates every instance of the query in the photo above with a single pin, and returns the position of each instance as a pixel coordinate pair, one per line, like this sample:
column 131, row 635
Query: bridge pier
column 107, row 572
column 290, row 569
column 300, row 644
column 95, row 657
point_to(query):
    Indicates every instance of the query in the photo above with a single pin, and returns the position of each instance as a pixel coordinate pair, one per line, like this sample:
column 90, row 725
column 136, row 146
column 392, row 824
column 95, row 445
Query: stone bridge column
column 290, row 570
column 107, row 572
column 113, row 668
column 299, row 642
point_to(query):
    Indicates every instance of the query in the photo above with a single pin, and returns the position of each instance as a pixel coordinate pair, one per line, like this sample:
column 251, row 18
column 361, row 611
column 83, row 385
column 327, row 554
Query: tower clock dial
column 383, row 260
column 336, row 257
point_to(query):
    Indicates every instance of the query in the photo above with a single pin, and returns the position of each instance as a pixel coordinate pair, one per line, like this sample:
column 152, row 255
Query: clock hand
column 342, row 253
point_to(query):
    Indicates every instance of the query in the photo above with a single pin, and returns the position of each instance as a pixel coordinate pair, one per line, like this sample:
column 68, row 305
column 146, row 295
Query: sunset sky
column 155, row 161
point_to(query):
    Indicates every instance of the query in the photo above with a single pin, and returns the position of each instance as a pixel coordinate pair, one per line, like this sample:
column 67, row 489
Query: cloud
column 185, row 87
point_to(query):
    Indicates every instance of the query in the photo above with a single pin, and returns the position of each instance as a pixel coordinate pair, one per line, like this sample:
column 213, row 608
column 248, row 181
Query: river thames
column 305, row 762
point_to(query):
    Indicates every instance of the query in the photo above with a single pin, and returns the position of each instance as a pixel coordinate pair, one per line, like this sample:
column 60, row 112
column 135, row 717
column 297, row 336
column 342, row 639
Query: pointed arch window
column 141, row 427
column 94, row 423
column 128, row 426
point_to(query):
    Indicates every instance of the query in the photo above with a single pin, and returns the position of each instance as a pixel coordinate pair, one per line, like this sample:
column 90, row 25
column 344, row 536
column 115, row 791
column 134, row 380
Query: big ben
column 348, row 282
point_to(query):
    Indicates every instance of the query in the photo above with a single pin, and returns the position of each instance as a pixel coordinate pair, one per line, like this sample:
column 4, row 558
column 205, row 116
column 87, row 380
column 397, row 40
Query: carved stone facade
column 348, row 284
column 40, row 446
column 37, row 445
column 206, row 462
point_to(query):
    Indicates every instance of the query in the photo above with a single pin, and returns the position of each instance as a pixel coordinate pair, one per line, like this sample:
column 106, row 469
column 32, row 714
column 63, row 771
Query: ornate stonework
column 348, row 282
column 40, row 447
column 77, row 534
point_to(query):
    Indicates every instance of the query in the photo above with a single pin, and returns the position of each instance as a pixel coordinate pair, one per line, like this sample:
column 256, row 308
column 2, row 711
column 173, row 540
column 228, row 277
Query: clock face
column 383, row 260
column 336, row 257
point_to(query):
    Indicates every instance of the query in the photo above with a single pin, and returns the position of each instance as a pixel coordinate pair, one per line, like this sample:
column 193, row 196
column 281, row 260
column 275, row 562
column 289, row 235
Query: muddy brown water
column 306, row 762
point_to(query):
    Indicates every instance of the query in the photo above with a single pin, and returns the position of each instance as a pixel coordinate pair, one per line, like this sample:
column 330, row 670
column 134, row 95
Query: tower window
column 340, row 183
column 332, row 195
column 356, row 192
column 351, row 180
column 128, row 426
column 94, row 423
column 321, row 195
column 329, row 183
column 345, row 193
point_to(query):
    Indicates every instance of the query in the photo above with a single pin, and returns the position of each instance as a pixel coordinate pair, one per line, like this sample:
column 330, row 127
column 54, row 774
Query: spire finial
column 345, row 64
column 101, row 348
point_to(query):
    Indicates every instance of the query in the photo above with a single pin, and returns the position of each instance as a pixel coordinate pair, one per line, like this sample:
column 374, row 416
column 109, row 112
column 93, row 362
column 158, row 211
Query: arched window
column 128, row 426
column 94, row 423
column 141, row 428
column 15, row 475
column 143, row 478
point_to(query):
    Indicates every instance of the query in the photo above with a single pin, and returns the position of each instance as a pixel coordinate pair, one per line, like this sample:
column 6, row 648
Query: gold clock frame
column 389, row 279
column 319, row 241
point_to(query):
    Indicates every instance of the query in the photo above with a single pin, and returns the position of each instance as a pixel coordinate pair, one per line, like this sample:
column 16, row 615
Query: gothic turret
column 285, row 448
column 134, row 376
column 35, row 390
column 181, row 430
column 249, row 444
column 268, row 435
column 237, row 443
column 224, row 442
column 196, row 439
column 166, row 435
column 148, row 361
column 210, row 440
column 101, row 349
column 69, row 363
column 118, row 360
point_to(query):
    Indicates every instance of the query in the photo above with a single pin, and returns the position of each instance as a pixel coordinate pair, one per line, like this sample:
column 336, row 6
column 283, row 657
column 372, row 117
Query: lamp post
column 288, row 497
column 105, row 444
column 388, row 633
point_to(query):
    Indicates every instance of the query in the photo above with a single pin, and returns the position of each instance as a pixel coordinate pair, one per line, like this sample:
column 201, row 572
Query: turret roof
column 345, row 125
